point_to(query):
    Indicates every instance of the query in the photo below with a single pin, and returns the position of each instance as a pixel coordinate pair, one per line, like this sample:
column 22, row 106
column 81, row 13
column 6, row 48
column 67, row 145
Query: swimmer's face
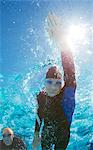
column 53, row 86
column 8, row 137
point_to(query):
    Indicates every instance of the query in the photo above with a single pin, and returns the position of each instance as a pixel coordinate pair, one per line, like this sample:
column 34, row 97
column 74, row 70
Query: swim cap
column 53, row 72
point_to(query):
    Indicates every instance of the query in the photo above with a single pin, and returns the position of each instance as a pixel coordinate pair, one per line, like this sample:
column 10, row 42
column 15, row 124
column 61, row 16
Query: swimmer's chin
column 8, row 144
column 52, row 94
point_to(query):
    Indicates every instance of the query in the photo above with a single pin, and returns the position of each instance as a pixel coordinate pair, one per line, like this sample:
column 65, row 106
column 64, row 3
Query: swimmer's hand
column 56, row 29
column 36, row 141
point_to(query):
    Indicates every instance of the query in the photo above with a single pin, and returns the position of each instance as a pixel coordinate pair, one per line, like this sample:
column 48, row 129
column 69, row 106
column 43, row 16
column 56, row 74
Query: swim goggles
column 56, row 82
column 7, row 135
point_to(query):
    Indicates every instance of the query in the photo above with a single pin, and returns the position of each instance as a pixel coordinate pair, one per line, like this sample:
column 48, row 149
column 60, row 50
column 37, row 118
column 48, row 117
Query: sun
column 76, row 34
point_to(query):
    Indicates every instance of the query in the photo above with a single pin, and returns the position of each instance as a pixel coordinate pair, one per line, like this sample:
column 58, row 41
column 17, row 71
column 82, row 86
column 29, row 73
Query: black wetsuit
column 56, row 129
column 17, row 144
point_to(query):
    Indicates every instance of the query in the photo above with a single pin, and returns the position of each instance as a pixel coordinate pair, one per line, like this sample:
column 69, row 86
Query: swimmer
column 10, row 142
column 56, row 102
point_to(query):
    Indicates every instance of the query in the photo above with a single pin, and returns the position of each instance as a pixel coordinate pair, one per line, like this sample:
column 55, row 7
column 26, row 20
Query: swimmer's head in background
column 8, row 136
column 53, row 81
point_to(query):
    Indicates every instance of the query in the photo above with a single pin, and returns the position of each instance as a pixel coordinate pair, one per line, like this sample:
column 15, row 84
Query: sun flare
column 76, row 34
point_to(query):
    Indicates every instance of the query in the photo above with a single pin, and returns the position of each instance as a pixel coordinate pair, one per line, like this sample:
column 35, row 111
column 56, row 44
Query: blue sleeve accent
column 68, row 102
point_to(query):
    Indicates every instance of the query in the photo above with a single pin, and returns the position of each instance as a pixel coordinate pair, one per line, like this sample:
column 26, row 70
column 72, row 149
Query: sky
column 23, row 40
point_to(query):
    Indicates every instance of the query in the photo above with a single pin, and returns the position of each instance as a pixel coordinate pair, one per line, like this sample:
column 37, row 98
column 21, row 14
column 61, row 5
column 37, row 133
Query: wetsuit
column 57, row 111
column 17, row 144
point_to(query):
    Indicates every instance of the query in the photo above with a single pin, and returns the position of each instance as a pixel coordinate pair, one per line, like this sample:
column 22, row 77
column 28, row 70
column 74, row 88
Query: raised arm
column 57, row 32
column 68, row 68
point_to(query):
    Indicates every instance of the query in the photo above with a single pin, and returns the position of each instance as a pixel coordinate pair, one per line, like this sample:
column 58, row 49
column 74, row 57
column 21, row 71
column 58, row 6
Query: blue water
column 25, row 56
